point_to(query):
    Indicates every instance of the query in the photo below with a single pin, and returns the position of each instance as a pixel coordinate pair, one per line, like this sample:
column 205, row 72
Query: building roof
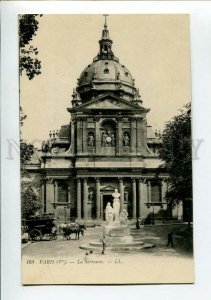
column 106, row 73
column 64, row 132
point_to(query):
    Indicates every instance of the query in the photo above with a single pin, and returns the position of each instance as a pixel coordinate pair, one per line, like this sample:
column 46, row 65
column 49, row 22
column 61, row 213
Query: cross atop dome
column 105, row 24
column 105, row 33
column 106, row 44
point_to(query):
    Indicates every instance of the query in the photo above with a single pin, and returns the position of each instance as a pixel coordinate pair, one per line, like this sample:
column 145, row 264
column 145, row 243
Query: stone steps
column 99, row 244
column 120, row 248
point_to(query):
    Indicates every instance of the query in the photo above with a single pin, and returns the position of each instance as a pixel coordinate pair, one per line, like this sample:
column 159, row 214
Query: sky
column 155, row 49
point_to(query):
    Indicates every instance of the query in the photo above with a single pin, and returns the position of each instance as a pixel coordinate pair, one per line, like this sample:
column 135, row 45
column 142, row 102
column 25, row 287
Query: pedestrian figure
column 170, row 240
column 137, row 224
column 86, row 256
column 104, row 244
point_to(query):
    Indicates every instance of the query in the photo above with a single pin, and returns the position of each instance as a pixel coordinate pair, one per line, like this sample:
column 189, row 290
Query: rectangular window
column 155, row 192
column 62, row 192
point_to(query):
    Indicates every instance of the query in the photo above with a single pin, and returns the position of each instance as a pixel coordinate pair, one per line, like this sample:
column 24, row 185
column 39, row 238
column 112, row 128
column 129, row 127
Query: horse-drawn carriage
column 41, row 226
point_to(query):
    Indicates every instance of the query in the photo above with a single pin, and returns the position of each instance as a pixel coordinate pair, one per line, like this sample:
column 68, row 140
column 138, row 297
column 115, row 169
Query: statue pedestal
column 117, row 238
column 117, row 234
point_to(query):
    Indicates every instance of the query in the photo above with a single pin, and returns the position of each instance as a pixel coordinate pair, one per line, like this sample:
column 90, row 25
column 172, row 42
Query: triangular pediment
column 107, row 102
column 108, row 188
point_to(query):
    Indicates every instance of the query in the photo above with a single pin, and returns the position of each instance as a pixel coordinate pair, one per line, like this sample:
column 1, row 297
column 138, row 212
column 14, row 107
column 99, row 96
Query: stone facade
column 107, row 145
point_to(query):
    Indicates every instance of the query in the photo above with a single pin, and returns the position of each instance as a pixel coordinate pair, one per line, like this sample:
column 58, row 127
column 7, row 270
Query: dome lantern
column 105, row 44
column 106, row 74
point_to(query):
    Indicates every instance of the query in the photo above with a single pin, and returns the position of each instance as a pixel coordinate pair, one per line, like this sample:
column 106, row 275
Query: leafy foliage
column 176, row 154
column 30, row 202
column 26, row 150
column 28, row 25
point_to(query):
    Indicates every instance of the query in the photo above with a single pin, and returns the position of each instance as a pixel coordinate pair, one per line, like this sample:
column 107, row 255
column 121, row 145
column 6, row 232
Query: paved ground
column 150, row 234
column 63, row 262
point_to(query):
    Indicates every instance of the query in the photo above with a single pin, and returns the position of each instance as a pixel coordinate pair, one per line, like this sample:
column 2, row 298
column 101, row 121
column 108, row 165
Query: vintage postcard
column 106, row 166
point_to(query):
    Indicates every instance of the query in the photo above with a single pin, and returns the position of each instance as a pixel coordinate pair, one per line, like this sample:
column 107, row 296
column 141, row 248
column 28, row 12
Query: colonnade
column 142, row 185
column 140, row 192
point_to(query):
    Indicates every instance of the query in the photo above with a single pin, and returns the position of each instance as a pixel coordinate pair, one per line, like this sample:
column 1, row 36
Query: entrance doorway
column 106, row 199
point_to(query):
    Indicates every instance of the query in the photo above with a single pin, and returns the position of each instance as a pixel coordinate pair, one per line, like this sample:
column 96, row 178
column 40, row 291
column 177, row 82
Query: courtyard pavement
column 63, row 262
column 154, row 234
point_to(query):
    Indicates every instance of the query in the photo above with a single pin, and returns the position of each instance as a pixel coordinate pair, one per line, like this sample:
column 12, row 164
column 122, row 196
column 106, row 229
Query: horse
column 68, row 230
column 73, row 228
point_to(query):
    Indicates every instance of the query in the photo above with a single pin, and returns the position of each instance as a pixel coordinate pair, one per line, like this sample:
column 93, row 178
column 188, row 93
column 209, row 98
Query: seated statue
column 123, row 217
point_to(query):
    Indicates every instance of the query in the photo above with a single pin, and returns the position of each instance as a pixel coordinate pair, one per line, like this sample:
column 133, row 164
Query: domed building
column 107, row 145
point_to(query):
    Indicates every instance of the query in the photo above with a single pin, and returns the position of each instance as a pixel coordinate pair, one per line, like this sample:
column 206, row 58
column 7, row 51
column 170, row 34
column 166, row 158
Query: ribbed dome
column 106, row 70
column 106, row 74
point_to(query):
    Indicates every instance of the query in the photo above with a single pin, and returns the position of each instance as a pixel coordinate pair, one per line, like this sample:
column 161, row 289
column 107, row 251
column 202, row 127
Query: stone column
column 68, row 194
column 97, row 136
column 79, row 135
column 97, row 198
column 56, row 196
column 133, row 136
column 78, row 198
column 134, row 197
column 163, row 190
column 140, row 191
column 84, row 135
column 149, row 191
column 119, row 136
column 101, row 205
column 73, row 135
column 85, row 197
column 121, row 190
column 139, row 136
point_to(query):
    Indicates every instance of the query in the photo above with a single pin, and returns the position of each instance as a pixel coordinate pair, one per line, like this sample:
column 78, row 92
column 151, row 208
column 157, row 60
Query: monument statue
column 91, row 140
column 123, row 217
column 116, row 205
column 109, row 213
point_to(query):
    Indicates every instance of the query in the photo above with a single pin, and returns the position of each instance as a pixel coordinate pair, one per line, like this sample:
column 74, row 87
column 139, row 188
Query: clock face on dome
column 108, row 139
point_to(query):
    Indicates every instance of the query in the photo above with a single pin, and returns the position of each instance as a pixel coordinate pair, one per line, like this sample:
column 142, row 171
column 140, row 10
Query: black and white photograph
column 106, row 155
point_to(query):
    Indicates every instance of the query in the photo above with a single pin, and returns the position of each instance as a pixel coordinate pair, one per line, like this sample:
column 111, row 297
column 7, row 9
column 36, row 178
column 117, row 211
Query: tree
column 176, row 154
column 28, row 25
column 30, row 201
column 26, row 149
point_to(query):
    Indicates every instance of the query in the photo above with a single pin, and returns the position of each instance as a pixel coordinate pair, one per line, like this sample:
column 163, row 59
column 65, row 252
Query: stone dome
column 106, row 74
column 106, row 71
